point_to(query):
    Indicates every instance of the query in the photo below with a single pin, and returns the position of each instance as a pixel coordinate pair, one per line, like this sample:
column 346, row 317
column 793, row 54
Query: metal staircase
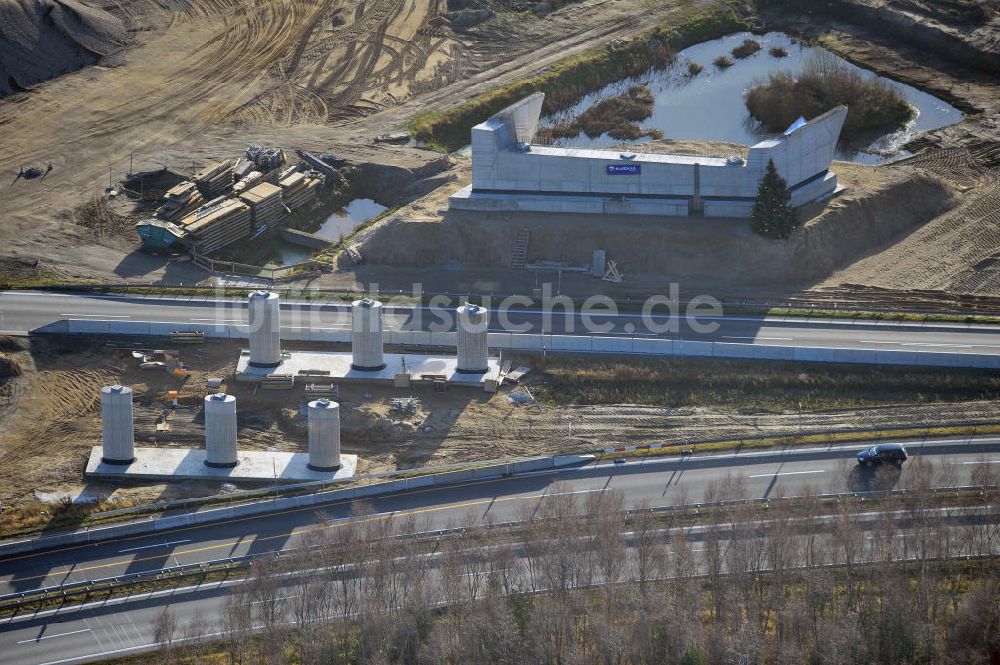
column 519, row 248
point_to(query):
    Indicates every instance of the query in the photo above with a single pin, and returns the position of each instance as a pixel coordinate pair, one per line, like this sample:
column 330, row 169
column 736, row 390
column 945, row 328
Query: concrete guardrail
column 562, row 344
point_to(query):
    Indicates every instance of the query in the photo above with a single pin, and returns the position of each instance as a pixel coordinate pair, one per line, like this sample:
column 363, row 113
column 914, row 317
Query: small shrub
column 693, row 69
column 8, row 343
column 746, row 49
column 873, row 105
column 778, row 52
column 9, row 367
column 722, row 62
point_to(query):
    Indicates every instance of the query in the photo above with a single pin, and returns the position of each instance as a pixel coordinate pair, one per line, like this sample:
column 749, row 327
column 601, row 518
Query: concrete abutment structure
column 509, row 173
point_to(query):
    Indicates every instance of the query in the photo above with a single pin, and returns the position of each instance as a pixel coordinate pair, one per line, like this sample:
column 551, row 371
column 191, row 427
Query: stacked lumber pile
column 243, row 168
column 217, row 224
column 181, row 199
column 299, row 189
column 247, row 181
column 214, row 179
column 265, row 204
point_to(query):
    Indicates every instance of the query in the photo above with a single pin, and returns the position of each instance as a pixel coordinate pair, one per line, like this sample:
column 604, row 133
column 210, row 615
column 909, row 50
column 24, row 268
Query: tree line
column 740, row 584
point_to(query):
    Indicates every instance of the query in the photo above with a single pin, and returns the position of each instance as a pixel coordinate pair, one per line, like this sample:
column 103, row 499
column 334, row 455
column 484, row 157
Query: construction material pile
column 299, row 189
column 179, row 201
column 264, row 159
column 266, row 208
column 215, row 179
column 42, row 39
column 216, row 224
column 247, row 181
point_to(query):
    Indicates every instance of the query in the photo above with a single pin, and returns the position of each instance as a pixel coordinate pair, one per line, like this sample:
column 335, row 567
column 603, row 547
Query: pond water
column 710, row 107
column 347, row 219
column 340, row 223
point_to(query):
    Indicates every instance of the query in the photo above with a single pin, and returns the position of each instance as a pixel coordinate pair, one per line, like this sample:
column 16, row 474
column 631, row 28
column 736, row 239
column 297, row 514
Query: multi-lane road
column 103, row 629
column 23, row 311
column 662, row 481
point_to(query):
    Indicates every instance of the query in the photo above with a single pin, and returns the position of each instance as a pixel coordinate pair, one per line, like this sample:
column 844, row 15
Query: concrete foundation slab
column 189, row 464
column 318, row 366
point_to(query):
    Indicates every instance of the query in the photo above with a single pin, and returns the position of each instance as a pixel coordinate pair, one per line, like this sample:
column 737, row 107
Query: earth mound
column 42, row 39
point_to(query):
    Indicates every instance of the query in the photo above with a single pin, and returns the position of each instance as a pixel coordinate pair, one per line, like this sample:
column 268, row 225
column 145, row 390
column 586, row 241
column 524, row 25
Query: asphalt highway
column 661, row 481
column 23, row 311
column 103, row 629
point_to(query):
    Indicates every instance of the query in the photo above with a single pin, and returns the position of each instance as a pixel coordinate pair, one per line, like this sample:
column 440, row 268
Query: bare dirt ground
column 50, row 419
column 205, row 79
column 201, row 81
column 714, row 255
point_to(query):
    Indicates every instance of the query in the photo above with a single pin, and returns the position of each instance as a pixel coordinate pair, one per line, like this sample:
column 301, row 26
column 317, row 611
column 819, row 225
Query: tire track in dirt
column 356, row 87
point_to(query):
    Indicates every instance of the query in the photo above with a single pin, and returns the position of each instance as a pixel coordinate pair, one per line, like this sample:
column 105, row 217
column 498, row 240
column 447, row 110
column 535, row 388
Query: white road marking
column 100, row 316
column 992, row 461
column 942, row 345
column 777, row 339
column 258, row 602
column 220, row 320
column 49, row 637
column 146, row 547
column 343, row 327
column 786, row 473
column 954, row 346
column 599, row 489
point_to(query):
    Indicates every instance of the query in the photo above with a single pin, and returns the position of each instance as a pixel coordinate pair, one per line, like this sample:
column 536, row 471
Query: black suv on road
column 883, row 453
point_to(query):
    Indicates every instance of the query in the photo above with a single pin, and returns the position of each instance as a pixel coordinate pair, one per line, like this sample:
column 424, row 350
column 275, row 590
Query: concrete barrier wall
column 563, row 343
column 613, row 345
column 500, row 340
column 211, row 515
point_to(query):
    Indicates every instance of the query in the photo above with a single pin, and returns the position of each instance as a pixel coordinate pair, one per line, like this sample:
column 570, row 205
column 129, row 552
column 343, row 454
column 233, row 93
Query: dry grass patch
column 747, row 384
column 746, row 49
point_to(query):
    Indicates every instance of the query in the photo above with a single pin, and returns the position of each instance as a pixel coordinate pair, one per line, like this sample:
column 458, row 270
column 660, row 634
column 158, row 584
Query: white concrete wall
column 501, row 165
column 584, row 344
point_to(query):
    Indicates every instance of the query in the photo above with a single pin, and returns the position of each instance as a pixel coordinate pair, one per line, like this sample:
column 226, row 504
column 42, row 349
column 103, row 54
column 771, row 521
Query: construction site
column 230, row 201
column 226, row 92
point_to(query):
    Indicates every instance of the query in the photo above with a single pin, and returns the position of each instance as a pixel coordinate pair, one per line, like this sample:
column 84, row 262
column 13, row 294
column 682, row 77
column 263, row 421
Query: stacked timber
column 299, row 189
column 248, row 181
column 265, row 204
column 180, row 200
column 217, row 224
column 243, row 167
column 214, row 179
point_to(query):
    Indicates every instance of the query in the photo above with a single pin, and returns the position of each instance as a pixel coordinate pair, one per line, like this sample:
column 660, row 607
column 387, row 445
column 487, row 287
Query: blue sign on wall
column 624, row 169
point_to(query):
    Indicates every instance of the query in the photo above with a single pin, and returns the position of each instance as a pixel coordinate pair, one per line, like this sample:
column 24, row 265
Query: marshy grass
column 617, row 116
column 693, row 69
column 722, row 62
column 778, row 52
column 874, row 105
column 742, row 384
column 746, row 49
column 567, row 82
